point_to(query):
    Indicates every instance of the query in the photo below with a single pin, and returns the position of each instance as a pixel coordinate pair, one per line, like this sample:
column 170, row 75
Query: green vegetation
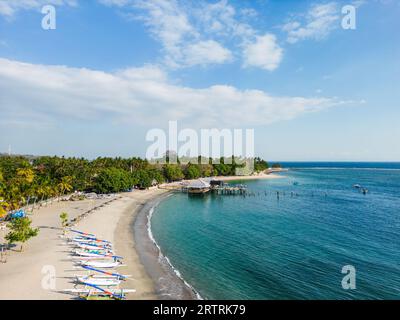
column 173, row 172
column 30, row 180
column 20, row 231
column 276, row 166
column 260, row 165
column 3, row 204
column 64, row 219
column 113, row 180
column 192, row 171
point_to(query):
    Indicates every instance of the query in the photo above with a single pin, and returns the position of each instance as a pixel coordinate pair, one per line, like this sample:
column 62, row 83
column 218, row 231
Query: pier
column 230, row 190
column 218, row 187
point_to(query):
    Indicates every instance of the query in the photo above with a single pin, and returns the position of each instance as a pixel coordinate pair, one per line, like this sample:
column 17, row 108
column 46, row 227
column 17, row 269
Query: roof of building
column 199, row 184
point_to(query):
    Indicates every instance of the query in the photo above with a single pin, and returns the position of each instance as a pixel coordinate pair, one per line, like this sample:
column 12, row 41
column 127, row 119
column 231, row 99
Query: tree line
column 24, row 180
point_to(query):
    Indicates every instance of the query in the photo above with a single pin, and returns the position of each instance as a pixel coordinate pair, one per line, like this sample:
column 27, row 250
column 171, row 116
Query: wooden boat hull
column 101, row 264
column 94, row 281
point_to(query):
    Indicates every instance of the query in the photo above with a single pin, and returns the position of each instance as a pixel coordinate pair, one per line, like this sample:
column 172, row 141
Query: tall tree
column 21, row 231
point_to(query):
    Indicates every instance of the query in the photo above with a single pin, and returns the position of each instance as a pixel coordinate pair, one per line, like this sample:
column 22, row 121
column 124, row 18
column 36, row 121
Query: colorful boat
column 93, row 253
column 106, row 264
column 98, row 281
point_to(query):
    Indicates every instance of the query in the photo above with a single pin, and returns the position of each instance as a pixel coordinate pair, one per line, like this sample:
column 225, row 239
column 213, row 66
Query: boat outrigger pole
column 109, row 293
column 82, row 233
column 120, row 276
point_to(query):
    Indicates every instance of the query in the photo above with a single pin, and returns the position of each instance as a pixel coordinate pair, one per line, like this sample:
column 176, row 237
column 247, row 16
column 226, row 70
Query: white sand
column 24, row 275
column 21, row 277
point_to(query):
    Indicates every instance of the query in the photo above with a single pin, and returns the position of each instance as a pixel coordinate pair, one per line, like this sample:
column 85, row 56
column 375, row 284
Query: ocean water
column 294, row 247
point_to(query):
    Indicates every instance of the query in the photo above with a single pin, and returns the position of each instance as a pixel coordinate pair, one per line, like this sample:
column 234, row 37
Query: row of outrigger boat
column 96, row 258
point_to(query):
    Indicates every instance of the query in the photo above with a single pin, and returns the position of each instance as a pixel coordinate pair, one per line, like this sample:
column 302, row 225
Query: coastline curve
column 168, row 282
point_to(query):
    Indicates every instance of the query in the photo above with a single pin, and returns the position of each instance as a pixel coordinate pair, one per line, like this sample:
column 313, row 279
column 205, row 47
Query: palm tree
column 13, row 196
column 65, row 184
column 3, row 207
column 25, row 174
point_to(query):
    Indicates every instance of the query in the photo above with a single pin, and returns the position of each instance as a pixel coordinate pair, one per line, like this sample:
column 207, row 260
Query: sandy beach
column 29, row 274
column 45, row 267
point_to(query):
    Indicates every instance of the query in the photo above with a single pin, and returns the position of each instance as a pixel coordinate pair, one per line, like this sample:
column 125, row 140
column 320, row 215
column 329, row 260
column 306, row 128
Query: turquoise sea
column 294, row 247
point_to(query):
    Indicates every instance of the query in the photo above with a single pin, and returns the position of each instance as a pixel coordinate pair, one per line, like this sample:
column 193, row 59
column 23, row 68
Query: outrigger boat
column 94, row 258
column 90, row 240
column 82, row 233
column 101, row 294
column 92, row 246
column 107, row 273
column 94, row 253
column 98, row 281
column 106, row 278
column 102, row 264
column 93, row 292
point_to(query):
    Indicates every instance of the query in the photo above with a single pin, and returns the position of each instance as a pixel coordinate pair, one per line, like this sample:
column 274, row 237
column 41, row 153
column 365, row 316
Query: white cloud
column 194, row 33
column 9, row 7
column 167, row 22
column 206, row 52
column 190, row 33
column 249, row 12
column 264, row 53
column 221, row 19
column 118, row 3
column 138, row 95
column 319, row 21
column 182, row 42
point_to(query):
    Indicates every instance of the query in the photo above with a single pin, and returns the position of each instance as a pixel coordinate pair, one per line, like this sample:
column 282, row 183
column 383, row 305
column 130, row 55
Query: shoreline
column 125, row 222
column 167, row 281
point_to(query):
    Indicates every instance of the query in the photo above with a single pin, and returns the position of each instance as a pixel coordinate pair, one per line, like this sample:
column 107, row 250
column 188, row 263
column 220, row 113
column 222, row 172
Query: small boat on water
column 360, row 188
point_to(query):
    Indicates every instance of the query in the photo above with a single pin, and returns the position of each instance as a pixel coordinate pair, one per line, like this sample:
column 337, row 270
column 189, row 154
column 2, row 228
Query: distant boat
column 360, row 188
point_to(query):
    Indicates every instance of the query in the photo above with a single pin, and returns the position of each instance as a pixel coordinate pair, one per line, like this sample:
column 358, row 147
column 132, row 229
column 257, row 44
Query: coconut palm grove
column 25, row 180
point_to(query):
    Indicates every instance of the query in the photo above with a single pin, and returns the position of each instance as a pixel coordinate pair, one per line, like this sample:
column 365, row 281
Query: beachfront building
column 198, row 186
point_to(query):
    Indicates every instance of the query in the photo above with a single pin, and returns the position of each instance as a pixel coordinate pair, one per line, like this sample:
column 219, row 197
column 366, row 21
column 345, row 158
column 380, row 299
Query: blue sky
column 113, row 69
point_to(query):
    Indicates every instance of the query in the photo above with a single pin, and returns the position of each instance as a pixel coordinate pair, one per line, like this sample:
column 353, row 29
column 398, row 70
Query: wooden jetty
column 230, row 190
column 203, row 186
